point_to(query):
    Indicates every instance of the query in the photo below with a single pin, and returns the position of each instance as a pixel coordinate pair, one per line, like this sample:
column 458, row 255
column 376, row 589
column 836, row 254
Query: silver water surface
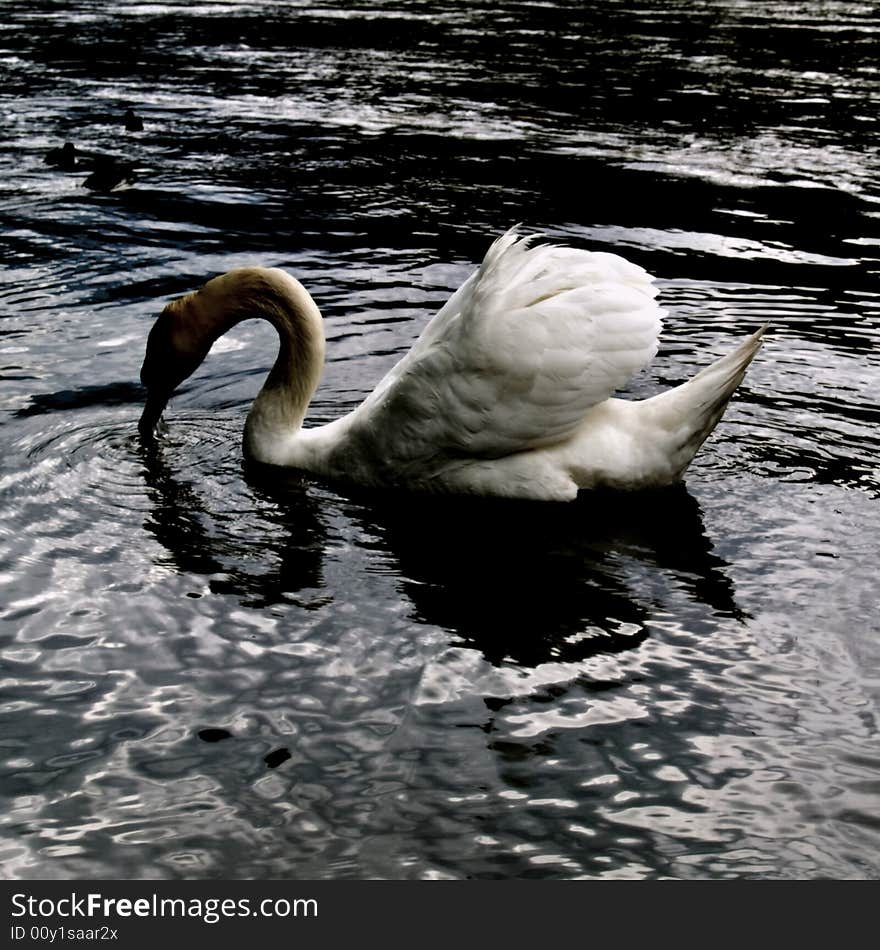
column 680, row 684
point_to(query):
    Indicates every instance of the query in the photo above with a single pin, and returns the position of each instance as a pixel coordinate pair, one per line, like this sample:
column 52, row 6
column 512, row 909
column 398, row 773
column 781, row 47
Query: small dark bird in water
column 276, row 757
column 109, row 174
column 214, row 735
column 133, row 123
column 63, row 158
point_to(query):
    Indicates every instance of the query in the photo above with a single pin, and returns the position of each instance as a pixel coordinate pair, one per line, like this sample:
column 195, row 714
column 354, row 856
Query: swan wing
column 515, row 358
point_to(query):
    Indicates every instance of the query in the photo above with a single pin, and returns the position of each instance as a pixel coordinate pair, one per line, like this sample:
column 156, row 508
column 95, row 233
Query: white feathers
column 514, row 360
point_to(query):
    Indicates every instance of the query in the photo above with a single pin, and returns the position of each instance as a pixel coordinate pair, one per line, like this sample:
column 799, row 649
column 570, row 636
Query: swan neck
column 280, row 406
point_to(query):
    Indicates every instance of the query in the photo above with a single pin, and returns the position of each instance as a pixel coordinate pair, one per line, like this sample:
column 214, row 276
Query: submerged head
column 179, row 341
column 175, row 350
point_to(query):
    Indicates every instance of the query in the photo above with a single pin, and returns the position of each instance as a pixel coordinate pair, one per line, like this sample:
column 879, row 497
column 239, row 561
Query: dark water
column 674, row 685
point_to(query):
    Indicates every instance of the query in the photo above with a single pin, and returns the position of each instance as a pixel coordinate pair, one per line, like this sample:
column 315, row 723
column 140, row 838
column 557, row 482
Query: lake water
column 682, row 684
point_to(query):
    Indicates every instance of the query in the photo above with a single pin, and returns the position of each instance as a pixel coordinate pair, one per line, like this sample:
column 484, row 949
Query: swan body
column 507, row 392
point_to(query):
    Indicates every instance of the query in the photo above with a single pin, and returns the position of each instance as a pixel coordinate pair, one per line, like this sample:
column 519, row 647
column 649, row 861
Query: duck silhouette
column 132, row 122
column 64, row 157
column 108, row 174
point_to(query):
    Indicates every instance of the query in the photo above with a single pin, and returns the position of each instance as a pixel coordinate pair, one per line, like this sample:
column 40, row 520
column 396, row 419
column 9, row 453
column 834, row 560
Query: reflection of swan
column 506, row 392
column 543, row 584
column 262, row 567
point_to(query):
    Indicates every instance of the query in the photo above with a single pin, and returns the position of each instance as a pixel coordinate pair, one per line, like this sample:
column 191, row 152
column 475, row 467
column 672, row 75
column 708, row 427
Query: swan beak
column 151, row 415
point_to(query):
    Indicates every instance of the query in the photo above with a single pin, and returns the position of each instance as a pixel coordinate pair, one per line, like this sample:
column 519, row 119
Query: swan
column 507, row 392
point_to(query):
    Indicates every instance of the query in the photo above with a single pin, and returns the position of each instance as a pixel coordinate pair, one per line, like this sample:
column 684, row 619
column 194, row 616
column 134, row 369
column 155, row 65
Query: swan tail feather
column 688, row 413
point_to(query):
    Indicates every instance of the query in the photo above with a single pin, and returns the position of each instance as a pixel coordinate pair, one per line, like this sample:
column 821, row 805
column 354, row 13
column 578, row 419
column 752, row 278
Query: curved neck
column 280, row 406
column 197, row 320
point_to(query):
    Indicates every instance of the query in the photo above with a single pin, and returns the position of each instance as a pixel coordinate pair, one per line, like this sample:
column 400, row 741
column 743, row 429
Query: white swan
column 506, row 392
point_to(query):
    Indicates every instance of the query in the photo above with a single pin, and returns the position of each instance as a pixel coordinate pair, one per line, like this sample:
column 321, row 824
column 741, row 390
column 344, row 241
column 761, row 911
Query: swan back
column 514, row 361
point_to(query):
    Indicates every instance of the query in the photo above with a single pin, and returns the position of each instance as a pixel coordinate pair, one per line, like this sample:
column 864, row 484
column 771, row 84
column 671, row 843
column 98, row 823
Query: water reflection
column 122, row 393
column 519, row 582
column 260, row 561
column 532, row 583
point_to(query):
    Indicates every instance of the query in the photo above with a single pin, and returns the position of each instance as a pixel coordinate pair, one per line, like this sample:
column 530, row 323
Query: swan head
column 177, row 345
column 186, row 329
